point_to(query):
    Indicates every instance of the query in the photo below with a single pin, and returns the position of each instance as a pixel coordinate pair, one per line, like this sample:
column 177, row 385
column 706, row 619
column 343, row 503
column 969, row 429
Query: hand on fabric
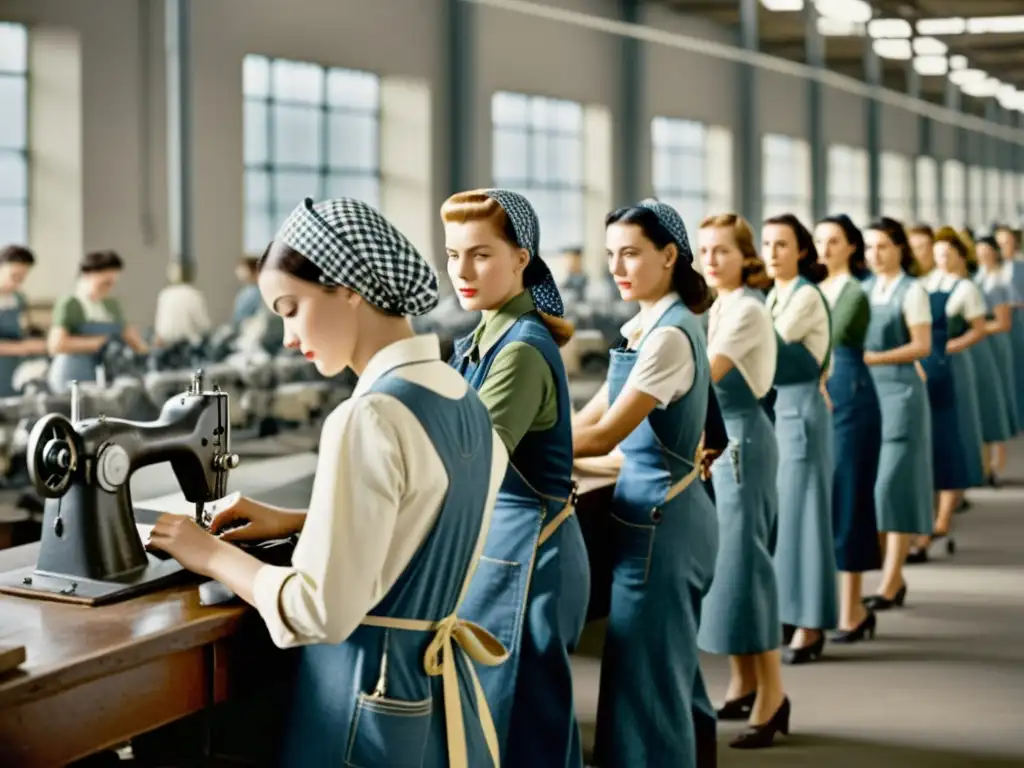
column 248, row 520
column 186, row 542
column 920, row 372
column 706, row 460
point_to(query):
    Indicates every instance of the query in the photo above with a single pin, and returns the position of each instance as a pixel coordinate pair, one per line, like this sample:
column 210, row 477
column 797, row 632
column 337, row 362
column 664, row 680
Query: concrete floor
column 941, row 686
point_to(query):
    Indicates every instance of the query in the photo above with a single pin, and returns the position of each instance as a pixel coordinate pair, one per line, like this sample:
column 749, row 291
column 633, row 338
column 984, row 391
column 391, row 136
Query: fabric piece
column 181, row 314
column 670, row 219
column 355, row 246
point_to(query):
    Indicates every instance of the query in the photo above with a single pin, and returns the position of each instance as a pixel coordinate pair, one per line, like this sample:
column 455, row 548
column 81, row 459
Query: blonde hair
column 477, row 205
column 753, row 274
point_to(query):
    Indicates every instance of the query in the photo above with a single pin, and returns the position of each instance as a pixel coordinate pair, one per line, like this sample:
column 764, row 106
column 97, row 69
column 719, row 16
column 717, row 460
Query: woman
column 86, row 321
column 922, row 240
column 998, row 327
column 741, row 612
column 805, row 563
column 15, row 264
column 956, row 422
column 899, row 336
column 390, row 539
column 532, row 586
column 665, row 532
column 1013, row 272
column 857, row 423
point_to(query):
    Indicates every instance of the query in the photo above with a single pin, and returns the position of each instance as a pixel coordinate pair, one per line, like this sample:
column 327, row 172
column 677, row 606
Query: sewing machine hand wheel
column 52, row 455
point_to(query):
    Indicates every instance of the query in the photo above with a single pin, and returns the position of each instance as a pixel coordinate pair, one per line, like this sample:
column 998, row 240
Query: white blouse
column 966, row 300
column 378, row 488
column 917, row 309
column 833, row 286
column 801, row 315
column 740, row 328
column 664, row 366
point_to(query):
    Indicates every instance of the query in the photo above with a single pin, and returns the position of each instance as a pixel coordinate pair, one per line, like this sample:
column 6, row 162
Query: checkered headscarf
column 670, row 219
column 537, row 278
column 355, row 246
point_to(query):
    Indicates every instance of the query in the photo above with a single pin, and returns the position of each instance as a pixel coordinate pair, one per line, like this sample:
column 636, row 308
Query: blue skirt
column 857, row 426
column 1002, row 349
column 969, row 415
column 949, row 452
column 1017, row 344
column 995, row 420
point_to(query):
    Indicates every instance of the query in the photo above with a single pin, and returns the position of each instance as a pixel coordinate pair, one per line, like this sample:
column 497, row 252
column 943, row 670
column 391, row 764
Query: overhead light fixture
column 958, row 62
column 954, row 26
column 856, row 11
column 931, row 66
column 898, row 50
column 889, row 28
column 1006, row 91
column 833, row 28
column 962, row 77
column 995, row 25
column 982, row 88
column 929, row 46
column 783, row 5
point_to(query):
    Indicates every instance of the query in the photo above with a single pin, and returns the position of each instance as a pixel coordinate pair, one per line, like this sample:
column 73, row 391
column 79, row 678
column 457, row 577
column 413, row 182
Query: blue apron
column 949, row 452
column 532, row 586
column 1017, row 333
column 391, row 695
column 66, row 368
column 741, row 611
column 904, row 489
column 1001, row 345
column 248, row 302
column 967, row 406
column 653, row 708
column 805, row 563
column 11, row 330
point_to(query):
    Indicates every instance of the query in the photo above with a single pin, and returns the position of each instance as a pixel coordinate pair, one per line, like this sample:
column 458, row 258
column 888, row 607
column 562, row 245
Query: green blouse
column 851, row 316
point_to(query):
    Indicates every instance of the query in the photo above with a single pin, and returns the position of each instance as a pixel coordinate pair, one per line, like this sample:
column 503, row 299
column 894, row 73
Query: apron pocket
column 791, row 432
column 496, row 598
column 389, row 732
column 633, row 549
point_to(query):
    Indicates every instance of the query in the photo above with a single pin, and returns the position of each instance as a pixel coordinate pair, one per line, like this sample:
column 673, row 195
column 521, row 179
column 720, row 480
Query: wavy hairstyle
column 754, row 274
column 807, row 264
column 858, row 263
column 895, row 232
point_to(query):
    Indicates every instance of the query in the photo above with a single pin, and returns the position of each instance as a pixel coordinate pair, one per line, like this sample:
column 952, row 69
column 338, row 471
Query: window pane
column 540, row 159
column 292, row 187
column 13, row 177
column 509, row 109
column 353, row 89
column 661, row 171
column 255, row 126
column 13, row 224
column 259, row 230
column 691, row 176
column 365, row 188
column 298, row 81
column 542, row 113
column 568, row 117
column 567, row 162
column 13, row 48
column 257, row 188
column 256, row 76
column 296, row 135
column 510, row 155
column 13, row 107
column 353, row 141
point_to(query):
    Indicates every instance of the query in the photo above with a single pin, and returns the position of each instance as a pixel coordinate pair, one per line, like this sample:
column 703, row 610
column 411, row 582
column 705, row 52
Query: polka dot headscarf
column 670, row 219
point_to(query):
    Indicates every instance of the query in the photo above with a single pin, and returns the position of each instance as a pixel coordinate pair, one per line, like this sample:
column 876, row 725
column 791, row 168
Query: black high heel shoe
column 737, row 709
column 761, row 736
column 808, row 653
column 882, row 603
column 863, row 631
column 916, row 556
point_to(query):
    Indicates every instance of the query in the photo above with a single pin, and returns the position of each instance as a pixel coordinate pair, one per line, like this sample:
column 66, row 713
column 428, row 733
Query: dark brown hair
column 858, row 264
column 807, row 265
column 895, row 232
column 17, row 254
column 100, row 261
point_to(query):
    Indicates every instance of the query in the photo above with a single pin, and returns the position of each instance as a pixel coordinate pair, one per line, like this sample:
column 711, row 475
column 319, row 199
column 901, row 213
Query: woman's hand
column 920, row 372
column 248, row 520
column 33, row 346
column 707, row 458
column 186, row 542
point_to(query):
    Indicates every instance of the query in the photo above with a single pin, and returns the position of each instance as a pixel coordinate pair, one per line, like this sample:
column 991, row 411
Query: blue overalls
column 396, row 693
column 532, row 585
column 653, row 708
column 949, row 453
column 66, row 368
column 11, row 330
column 967, row 407
column 996, row 293
column 1016, row 270
column 805, row 562
column 741, row 611
column 904, row 489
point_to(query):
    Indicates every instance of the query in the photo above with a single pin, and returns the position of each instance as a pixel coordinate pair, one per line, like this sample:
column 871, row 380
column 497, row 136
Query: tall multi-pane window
column 954, row 209
column 537, row 151
column 976, row 196
column 310, row 131
column 13, row 134
column 848, row 183
column 928, row 191
column 993, row 196
column 1011, row 199
column 786, row 177
column 897, row 191
column 679, row 166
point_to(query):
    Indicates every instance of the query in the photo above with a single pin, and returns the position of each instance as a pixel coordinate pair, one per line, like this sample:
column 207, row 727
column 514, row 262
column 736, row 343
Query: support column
column 954, row 101
column 990, row 153
column 461, row 99
column 179, row 135
column 924, row 140
column 815, row 52
column 748, row 168
column 632, row 140
column 873, row 131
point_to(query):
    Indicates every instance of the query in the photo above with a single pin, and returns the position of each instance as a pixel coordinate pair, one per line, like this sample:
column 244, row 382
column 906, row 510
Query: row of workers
column 86, row 320
column 397, row 563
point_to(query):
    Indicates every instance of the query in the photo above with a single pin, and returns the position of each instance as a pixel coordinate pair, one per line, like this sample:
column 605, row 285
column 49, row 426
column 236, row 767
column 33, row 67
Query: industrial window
column 993, row 196
column 13, row 134
column 848, row 183
column 928, row 191
column 954, row 204
column 1011, row 200
column 685, row 157
column 538, row 151
column 976, row 196
column 310, row 131
column 786, row 177
column 896, row 187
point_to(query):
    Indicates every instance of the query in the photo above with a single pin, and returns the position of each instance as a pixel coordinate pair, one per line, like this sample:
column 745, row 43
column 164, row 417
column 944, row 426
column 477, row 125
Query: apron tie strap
column 567, row 511
column 687, row 480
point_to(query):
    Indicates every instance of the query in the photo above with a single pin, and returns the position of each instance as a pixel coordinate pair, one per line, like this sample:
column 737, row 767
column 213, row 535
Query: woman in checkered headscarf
column 390, row 539
column 512, row 359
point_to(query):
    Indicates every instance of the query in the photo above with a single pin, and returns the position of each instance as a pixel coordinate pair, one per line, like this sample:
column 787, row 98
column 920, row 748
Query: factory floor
column 942, row 686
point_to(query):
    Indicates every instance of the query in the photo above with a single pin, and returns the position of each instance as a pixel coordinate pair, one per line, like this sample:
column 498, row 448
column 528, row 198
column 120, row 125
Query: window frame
column 843, row 160
column 668, row 148
column 22, row 153
column 798, row 200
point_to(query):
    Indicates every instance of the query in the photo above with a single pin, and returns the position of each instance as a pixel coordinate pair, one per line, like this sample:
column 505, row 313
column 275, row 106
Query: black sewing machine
column 91, row 551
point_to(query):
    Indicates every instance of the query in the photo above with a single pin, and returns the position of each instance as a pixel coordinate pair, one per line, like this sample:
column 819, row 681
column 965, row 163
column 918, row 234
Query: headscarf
column 537, row 278
column 670, row 219
column 355, row 246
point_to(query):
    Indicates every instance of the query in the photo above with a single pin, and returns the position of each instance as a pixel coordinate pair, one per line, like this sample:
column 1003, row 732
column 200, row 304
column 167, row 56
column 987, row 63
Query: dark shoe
column 916, row 556
column 761, row 736
column 882, row 603
column 806, row 654
column 737, row 709
column 863, row 631
column 788, row 630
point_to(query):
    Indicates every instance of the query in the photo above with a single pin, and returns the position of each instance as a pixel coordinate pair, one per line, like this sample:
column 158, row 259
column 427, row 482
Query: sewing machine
column 91, row 551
